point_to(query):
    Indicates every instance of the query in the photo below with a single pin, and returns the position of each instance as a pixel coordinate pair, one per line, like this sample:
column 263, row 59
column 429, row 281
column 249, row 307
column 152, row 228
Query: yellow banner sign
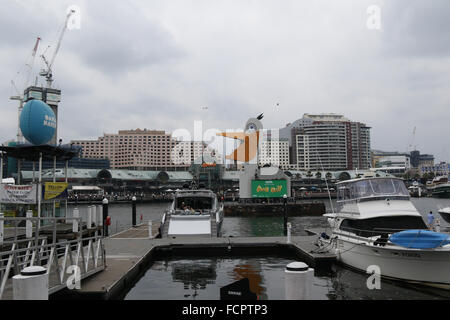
column 54, row 190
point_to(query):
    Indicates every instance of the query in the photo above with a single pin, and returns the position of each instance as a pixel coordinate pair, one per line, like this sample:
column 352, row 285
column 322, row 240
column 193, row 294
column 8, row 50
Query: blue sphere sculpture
column 37, row 122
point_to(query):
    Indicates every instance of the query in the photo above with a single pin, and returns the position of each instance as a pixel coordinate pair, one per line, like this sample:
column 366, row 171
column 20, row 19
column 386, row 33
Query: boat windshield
column 372, row 188
column 194, row 203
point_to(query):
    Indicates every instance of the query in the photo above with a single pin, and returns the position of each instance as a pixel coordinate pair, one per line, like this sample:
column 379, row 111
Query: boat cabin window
column 382, row 225
column 372, row 188
column 196, row 203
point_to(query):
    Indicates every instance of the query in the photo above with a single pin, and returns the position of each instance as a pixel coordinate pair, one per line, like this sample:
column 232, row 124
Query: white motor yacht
column 193, row 213
column 445, row 214
column 377, row 224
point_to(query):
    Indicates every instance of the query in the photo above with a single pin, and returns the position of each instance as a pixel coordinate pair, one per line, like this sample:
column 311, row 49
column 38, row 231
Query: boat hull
column 427, row 267
column 441, row 191
column 445, row 216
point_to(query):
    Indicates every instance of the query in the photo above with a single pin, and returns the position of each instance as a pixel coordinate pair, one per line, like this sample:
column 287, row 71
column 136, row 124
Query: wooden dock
column 130, row 252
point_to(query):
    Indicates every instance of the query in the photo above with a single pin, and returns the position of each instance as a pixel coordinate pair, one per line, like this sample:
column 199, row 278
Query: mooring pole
column 105, row 214
column 285, row 215
column 133, row 211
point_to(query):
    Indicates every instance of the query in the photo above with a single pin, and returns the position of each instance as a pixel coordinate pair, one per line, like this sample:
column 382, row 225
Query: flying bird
column 260, row 116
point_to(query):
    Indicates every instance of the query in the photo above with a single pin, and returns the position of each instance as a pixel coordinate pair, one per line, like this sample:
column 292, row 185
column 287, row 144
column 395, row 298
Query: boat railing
column 374, row 236
column 375, row 197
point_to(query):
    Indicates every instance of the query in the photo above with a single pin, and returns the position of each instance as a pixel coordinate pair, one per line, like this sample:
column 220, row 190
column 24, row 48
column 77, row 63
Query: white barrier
column 75, row 214
column 31, row 284
column 298, row 281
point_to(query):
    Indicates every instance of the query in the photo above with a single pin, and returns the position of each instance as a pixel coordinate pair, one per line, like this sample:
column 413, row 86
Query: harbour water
column 187, row 278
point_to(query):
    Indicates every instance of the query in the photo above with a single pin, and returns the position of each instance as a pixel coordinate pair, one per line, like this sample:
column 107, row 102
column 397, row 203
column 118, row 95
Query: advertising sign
column 55, row 190
column 269, row 188
column 10, row 193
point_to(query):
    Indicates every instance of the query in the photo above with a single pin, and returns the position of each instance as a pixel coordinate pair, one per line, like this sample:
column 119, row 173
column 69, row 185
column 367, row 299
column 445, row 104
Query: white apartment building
column 328, row 142
column 274, row 152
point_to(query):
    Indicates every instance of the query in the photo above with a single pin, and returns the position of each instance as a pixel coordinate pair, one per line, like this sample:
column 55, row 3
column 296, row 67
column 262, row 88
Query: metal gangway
column 67, row 261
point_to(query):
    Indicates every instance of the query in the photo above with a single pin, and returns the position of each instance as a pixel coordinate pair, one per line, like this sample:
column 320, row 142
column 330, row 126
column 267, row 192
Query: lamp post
column 285, row 215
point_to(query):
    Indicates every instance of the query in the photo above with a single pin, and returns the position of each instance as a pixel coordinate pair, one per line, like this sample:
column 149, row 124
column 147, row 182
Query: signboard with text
column 269, row 188
column 55, row 190
column 10, row 193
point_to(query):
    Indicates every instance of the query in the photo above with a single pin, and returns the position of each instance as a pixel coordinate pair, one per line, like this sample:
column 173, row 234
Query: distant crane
column 48, row 73
column 19, row 93
column 412, row 145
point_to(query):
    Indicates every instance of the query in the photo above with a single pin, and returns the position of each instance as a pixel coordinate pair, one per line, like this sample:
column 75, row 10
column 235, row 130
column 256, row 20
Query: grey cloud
column 416, row 28
column 121, row 39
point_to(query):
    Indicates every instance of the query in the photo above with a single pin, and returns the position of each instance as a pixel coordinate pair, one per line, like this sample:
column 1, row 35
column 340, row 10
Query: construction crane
column 19, row 93
column 47, row 73
column 412, row 145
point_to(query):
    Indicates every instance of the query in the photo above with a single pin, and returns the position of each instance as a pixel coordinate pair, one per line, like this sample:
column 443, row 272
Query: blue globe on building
column 37, row 122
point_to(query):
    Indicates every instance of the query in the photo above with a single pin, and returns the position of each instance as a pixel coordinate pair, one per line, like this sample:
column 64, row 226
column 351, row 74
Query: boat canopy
column 369, row 188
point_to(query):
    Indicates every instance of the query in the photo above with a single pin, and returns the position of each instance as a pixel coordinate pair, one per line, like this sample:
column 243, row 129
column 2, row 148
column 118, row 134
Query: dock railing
column 67, row 261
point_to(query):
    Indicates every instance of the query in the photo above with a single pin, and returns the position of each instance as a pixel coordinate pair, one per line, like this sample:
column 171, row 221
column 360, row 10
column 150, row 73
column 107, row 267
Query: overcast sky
column 157, row 65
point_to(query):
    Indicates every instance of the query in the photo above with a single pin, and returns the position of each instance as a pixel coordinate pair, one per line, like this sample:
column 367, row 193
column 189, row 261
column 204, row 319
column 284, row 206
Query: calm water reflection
column 201, row 278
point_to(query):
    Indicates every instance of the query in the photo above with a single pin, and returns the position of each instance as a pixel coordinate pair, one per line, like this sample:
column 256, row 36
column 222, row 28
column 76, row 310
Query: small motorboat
column 193, row 213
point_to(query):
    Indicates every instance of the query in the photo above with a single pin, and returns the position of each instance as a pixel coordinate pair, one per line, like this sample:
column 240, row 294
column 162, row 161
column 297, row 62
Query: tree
column 318, row 174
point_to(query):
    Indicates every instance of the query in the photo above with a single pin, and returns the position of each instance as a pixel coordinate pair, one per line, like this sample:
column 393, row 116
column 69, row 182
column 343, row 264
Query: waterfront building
column 274, row 152
column 441, row 169
column 421, row 160
column 143, row 150
column 394, row 161
column 328, row 142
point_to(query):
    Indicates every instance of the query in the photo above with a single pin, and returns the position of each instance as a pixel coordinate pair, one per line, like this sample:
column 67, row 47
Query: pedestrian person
column 430, row 220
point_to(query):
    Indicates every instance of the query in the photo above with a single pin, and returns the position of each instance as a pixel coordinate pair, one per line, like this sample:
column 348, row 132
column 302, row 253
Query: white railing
column 66, row 261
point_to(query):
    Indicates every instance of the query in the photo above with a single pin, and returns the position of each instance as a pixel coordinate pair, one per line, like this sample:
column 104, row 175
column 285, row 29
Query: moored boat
column 440, row 187
column 193, row 213
column 445, row 214
column 377, row 225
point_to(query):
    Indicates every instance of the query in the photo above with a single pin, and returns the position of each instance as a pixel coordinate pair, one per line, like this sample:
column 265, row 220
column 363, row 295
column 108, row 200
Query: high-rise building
column 328, row 142
column 274, row 152
column 142, row 149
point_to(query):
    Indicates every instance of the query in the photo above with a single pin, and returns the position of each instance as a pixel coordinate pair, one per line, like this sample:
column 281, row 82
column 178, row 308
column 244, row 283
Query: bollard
column 105, row 214
column 100, row 219
column 150, row 229
column 31, row 284
column 133, row 211
column 2, row 226
column 100, row 216
column 298, row 281
column 75, row 215
column 289, row 226
column 89, row 217
column 29, row 225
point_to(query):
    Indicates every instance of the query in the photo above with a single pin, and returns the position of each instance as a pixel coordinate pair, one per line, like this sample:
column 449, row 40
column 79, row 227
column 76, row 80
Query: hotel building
column 143, row 150
column 328, row 142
